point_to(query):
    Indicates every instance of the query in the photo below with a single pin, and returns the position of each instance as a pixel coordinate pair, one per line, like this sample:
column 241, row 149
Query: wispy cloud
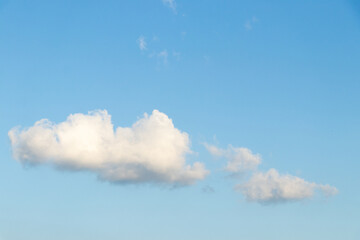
column 249, row 24
column 271, row 187
column 171, row 4
column 163, row 56
column 176, row 55
column 152, row 150
column 239, row 159
column 142, row 43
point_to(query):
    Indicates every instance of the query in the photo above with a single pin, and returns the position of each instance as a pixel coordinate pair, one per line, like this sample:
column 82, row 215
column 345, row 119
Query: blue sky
column 262, row 95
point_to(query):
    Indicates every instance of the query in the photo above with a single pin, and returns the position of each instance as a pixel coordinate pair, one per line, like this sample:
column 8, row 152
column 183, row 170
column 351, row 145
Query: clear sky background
column 281, row 78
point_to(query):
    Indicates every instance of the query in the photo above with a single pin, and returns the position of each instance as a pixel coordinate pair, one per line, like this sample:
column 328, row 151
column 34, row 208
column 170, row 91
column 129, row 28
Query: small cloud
column 328, row 190
column 240, row 159
column 171, row 4
column 271, row 187
column 163, row 56
column 250, row 23
column 142, row 43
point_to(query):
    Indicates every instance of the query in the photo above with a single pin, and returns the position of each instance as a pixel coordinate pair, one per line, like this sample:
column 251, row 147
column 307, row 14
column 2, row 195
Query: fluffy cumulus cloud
column 266, row 187
column 271, row 187
column 151, row 150
column 239, row 159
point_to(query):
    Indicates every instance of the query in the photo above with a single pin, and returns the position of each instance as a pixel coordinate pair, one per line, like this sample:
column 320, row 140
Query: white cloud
column 268, row 187
column 142, row 43
column 239, row 159
column 151, row 150
column 171, row 4
column 163, row 56
column 271, row 187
